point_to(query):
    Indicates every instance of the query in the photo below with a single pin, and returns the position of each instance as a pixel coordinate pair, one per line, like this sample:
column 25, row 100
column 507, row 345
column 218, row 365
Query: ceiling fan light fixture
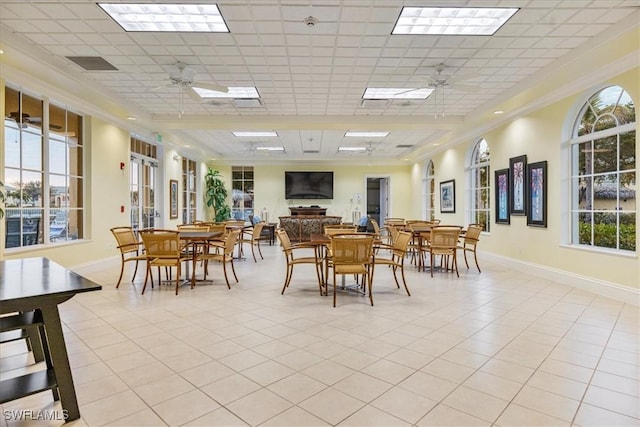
column 470, row 21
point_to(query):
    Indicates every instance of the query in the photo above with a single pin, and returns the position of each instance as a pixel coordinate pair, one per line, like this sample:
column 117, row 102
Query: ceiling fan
column 438, row 82
column 183, row 78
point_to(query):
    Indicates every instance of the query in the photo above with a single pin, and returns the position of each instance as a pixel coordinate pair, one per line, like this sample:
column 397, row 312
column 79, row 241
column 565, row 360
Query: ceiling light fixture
column 352, row 149
column 498, row 112
column 469, row 21
column 270, row 148
column 396, row 93
column 240, row 92
column 357, row 134
column 131, row 118
column 254, row 134
column 202, row 18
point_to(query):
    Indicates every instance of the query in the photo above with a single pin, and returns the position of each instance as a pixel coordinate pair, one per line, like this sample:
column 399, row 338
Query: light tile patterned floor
column 499, row 348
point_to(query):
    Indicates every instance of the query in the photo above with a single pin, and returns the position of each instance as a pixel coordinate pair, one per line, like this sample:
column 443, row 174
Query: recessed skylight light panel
column 470, row 21
column 162, row 17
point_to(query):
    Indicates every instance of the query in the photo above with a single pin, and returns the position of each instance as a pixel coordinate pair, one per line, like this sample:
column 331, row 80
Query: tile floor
column 499, row 348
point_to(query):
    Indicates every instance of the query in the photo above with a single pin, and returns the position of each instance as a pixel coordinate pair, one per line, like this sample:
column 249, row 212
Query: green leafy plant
column 1, row 199
column 216, row 195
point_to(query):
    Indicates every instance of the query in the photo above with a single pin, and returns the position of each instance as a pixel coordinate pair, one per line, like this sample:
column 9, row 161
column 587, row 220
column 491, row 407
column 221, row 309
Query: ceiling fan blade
column 194, row 95
column 159, row 88
column 465, row 88
column 461, row 77
column 210, row 86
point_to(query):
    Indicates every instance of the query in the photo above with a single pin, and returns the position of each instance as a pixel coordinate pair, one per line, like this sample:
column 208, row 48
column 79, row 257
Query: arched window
column 430, row 191
column 603, row 172
column 479, row 185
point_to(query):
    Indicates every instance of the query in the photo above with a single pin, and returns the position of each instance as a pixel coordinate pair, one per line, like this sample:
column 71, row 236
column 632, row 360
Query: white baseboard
column 600, row 287
column 96, row 265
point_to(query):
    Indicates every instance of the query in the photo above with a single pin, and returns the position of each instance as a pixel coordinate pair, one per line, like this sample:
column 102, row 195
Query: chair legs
column 122, row 272
column 475, row 258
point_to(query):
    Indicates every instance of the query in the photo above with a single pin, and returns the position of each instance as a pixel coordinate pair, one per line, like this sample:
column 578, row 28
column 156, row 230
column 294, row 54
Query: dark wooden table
column 32, row 289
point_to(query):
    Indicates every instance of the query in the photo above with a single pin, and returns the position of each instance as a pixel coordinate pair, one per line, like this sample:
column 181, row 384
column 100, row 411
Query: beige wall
column 540, row 135
column 347, row 182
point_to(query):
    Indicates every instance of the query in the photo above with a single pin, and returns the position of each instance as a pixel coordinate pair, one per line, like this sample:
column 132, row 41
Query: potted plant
column 1, row 199
column 216, row 195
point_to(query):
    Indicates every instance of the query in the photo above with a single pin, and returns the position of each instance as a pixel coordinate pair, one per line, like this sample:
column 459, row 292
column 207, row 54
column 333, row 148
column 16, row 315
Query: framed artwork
column 518, row 185
column 537, row 194
column 173, row 199
column 448, row 196
column 502, row 196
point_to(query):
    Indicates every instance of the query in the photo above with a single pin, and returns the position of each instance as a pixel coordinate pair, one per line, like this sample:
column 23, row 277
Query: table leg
column 60, row 360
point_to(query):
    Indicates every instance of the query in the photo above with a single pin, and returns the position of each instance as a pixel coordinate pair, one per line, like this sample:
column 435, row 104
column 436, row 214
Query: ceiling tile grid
column 316, row 71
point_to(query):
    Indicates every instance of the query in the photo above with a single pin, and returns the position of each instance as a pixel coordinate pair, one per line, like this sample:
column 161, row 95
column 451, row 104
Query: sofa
column 300, row 227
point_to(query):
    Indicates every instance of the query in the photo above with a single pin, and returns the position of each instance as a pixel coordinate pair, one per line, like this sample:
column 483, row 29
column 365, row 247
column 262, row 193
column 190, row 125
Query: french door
column 142, row 186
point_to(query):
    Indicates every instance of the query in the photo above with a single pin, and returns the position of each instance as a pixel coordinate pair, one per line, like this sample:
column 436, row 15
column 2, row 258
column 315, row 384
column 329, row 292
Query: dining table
column 197, row 239
column 31, row 289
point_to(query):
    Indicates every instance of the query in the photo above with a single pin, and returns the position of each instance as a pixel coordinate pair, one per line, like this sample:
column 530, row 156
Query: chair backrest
column 334, row 230
column 394, row 221
column 393, row 232
column 401, row 243
column 257, row 230
column 376, row 226
column 444, row 237
column 473, row 233
column 283, row 237
column 351, row 249
column 193, row 227
column 127, row 241
column 230, row 242
column 218, row 227
column 163, row 244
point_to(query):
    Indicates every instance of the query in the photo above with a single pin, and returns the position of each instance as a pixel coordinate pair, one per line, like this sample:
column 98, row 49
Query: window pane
column 76, row 199
column 11, row 144
column 605, row 155
column 31, row 151
column 585, row 228
column 605, row 192
column 583, row 192
column 31, row 189
column 583, row 152
column 605, row 100
column 605, row 233
column 628, row 231
column 625, row 112
column 75, row 224
column 628, row 193
column 75, row 160
column 32, row 114
column 57, row 156
column 628, row 150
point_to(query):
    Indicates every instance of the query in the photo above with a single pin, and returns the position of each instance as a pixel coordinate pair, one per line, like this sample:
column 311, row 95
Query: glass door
column 142, row 185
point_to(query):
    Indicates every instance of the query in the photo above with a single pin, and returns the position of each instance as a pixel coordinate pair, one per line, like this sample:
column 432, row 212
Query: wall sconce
column 176, row 157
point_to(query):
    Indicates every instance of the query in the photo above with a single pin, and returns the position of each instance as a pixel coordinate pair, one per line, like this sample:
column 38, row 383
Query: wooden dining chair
column 163, row 249
column 352, row 254
column 292, row 259
column 225, row 256
column 131, row 249
column 443, row 241
column 252, row 237
column 470, row 243
column 396, row 261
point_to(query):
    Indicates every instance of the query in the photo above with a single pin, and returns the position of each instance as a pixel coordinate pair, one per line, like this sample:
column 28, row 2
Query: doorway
column 377, row 198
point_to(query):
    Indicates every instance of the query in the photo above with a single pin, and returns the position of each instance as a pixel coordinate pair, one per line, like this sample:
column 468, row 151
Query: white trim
column 95, row 265
column 600, row 287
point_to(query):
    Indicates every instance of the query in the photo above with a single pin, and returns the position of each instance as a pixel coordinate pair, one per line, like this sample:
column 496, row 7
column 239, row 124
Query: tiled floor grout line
column 595, row 369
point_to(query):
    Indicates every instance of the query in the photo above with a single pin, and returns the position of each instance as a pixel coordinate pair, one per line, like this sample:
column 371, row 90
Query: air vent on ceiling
column 246, row 102
column 92, row 63
column 404, row 146
column 374, row 103
column 311, row 151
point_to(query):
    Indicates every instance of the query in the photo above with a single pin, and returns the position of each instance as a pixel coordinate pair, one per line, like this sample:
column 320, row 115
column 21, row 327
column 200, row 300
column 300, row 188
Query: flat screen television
column 308, row 185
